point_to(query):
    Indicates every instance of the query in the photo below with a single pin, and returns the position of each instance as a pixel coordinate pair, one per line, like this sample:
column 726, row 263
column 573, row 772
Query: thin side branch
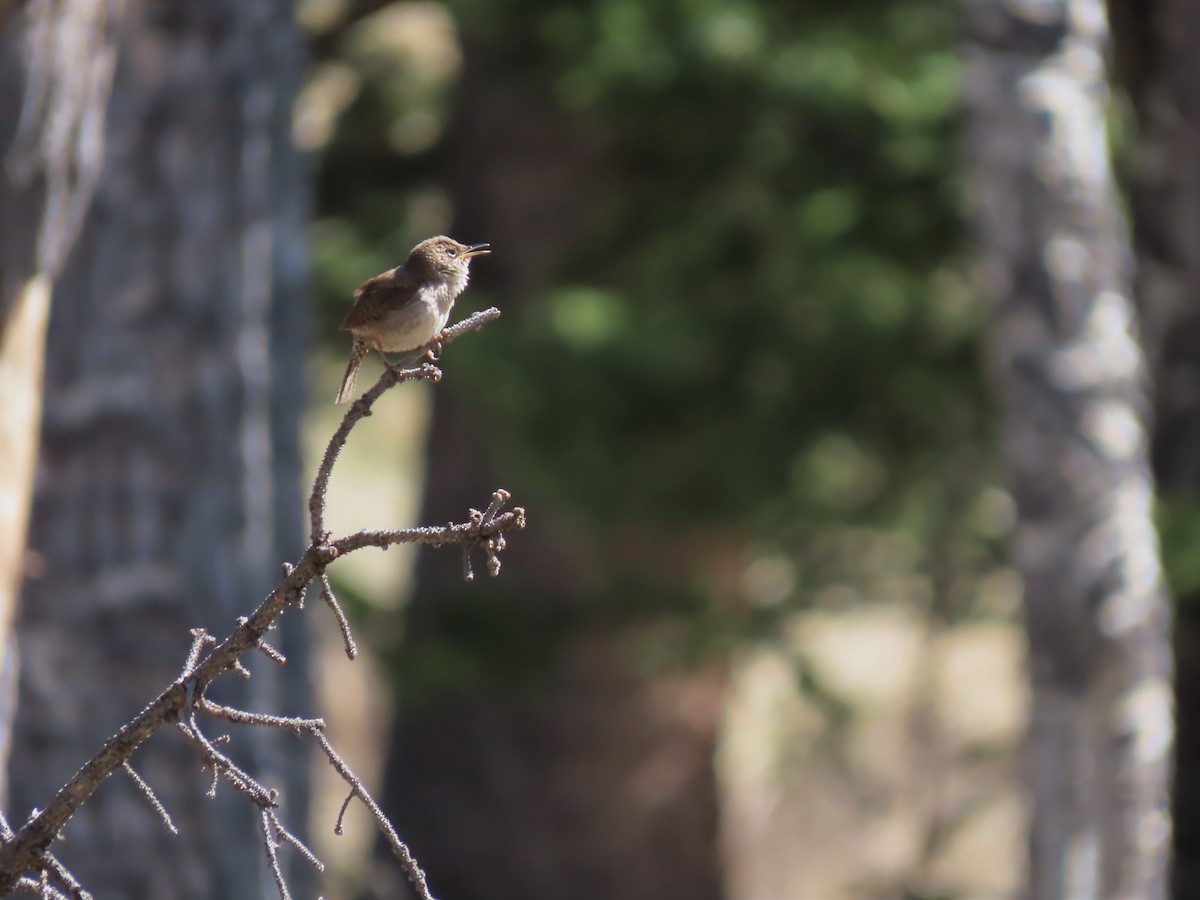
column 269, row 842
column 200, row 640
column 467, row 534
column 271, row 653
column 343, row 623
column 288, row 838
column 39, row 886
column 241, row 780
column 408, row 862
column 241, row 717
column 151, row 797
column 69, row 883
column 341, row 816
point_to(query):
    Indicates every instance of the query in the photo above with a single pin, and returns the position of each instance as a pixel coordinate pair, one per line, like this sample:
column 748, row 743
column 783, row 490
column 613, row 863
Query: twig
column 287, row 837
column 272, row 857
column 341, row 816
column 148, row 793
column 68, row 881
column 499, row 498
column 468, row 533
column 25, row 852
column 408, row 863
column 241, row 717
column 241, row 780
column 39, row 886
column 271, row 653
column 343, row 622
column 362, row 408
column 200, row 640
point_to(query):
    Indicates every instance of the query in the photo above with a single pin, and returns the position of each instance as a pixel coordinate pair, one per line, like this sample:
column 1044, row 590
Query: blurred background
column 736, row 386
column 833, row 367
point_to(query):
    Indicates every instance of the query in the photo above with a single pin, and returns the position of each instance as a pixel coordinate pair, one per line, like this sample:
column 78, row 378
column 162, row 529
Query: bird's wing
column 375, row 298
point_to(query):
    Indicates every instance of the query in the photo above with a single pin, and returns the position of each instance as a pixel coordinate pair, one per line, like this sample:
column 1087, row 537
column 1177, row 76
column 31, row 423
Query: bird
column 408, row 306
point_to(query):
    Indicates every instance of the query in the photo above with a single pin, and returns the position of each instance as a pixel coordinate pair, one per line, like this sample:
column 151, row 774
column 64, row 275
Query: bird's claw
column 435, row 352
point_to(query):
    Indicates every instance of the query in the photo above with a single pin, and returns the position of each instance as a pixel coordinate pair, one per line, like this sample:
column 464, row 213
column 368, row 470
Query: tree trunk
column 554, row 770
column 167, row 489
column 1158, row 62
column 52, row 110
column 1070, row 378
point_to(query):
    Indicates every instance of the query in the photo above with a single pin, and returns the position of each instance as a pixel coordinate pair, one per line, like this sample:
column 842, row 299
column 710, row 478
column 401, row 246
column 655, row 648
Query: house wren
column 408, row 306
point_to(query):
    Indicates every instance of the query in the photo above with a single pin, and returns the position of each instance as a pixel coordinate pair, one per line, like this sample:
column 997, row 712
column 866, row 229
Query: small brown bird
column 408, row 306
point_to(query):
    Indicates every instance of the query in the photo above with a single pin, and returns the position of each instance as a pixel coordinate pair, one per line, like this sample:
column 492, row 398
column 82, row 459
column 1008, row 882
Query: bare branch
column 361, row 408
column 39, row 886
column 241, row 780
column 70, row 884
column 241, row 717
column 468, row 571
column 148, row 793
column 216, row 779
column 408, row 863
column 343, row 623
column 341, row 816
column 272, row 857
column 24, row 853
column 271, row 653
column 287, row 837
column 499, row 498
column 200, row 640
column 469, row 533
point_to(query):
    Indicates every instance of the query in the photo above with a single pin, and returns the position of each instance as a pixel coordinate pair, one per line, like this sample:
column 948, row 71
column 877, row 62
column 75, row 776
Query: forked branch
column 25, row 860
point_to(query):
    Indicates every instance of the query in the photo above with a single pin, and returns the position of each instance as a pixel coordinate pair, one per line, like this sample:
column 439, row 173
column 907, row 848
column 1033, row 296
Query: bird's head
column 443, row 256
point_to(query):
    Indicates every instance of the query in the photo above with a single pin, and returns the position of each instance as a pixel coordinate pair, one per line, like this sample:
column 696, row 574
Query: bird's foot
column 435, row 352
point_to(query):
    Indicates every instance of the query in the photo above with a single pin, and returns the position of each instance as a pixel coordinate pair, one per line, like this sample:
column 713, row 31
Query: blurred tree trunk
column 549, row 769
column 1070, row 378
column 1158, row 62
column 167, row 487
column 48, row 166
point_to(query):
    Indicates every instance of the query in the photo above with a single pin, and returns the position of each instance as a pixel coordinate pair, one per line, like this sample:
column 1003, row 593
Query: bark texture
column 1071, row 381
column 167, row 489
column 1160, row 68
column 52, row 108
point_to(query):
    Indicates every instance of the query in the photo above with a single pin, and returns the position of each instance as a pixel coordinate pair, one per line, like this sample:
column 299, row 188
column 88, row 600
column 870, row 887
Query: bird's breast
column 406, row 327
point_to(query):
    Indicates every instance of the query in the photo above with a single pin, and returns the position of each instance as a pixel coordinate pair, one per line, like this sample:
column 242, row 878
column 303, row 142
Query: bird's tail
column 357, row 354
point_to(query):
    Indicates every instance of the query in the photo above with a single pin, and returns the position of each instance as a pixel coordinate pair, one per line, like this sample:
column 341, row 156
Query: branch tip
column 341, row 816
column 343, row 623
column 468, row 571
column 271, row 653
column 151, row 797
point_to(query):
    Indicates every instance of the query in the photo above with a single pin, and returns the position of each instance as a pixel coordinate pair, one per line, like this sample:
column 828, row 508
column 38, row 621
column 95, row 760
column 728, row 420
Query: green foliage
column 768, row 317
column 1178, row 519
column 764, row 328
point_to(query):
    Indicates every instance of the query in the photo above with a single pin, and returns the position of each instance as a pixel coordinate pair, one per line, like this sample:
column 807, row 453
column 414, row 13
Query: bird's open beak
column 477, row 250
